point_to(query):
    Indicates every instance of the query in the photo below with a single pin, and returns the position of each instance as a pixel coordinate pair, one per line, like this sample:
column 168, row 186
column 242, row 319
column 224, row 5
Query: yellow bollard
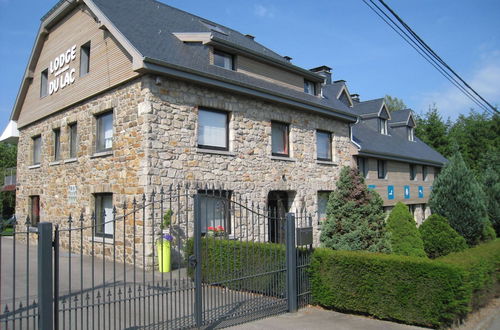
column 163, row 249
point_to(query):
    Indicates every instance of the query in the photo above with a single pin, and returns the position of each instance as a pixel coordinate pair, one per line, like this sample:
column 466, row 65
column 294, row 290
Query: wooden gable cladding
column 110, row 65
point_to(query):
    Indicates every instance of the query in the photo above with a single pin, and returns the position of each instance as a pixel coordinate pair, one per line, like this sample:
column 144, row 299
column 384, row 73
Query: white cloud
column 263, row 11
column 485, row 80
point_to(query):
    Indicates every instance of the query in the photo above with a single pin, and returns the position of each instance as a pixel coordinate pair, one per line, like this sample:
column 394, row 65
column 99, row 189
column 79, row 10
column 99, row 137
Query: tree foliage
column 491, row 187
column 457, row 196
column 439, row 238
column 432, row 130
column 404, row 236
column 8, row 158
column 355, row 219
column 394, row 103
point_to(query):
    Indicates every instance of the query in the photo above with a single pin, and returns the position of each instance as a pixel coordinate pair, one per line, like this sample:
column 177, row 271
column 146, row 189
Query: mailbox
column 304, row 236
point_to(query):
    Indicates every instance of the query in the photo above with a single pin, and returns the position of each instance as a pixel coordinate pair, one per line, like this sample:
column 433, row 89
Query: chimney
column 288, row 58
column 324, row 71
column 355, row 98
column 249, row 36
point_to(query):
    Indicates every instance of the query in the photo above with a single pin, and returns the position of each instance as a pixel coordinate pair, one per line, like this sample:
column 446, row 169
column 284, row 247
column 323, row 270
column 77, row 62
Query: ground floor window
column 215, row 211
column 104, row 215
column 35, row 210
column 412, row 208
column 322, row 204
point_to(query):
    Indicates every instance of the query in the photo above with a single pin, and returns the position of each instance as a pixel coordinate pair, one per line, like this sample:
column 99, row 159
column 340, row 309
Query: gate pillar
column 291, row 263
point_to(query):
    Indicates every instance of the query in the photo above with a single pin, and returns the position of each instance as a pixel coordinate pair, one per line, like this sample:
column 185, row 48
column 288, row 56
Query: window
column 104, row 132
column 309, row 87
column 412, row 208
column 73, row 140
column 215, row 210
column 103, row 215
column 362, row 166
column 85, row 59
column 224, row 60
column 411, row 134
column 382, row 126
column 35, row 210
column 424, row 173
column 324, row 145
column 57, row 144
column 44, row 83
column 280, row 139
column 213, row 127
column 37, row 149
column 322, row 203
column 382, row 169
column 413, row 172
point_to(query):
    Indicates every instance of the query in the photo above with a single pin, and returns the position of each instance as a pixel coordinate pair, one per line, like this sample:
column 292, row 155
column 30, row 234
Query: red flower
column 211, row 228
column 220, row 228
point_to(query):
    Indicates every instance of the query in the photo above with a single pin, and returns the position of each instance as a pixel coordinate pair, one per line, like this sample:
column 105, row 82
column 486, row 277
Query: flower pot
column 163, row 249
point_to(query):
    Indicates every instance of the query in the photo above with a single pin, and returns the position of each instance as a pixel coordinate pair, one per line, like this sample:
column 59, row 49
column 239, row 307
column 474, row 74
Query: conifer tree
column 439, row 238
column 404, row 236
column 355, row 219
column 457, row 196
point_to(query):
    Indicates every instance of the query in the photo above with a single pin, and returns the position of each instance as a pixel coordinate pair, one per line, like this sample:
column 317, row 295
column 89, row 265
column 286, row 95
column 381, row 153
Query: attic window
column 309, row 87
column 411, row 134
column 224, row 60
column 214, row 27
column 44, row 83
column 382, row 126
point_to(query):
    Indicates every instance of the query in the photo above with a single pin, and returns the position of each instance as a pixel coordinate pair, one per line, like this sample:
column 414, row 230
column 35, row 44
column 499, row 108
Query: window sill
column 215, row 152
column 56, row 162
column 34, row 166
column 100, row 239
column 326, row 162
column 70, row 160
column 102, row 154
column 286, row 159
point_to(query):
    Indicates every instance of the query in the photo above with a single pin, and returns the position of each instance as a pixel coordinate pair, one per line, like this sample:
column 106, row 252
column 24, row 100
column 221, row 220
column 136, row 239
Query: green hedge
column 440, row 238
column 249, row 266
column 414, row 290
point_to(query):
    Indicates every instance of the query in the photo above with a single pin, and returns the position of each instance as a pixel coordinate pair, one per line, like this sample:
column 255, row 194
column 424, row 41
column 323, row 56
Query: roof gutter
column 157, row 66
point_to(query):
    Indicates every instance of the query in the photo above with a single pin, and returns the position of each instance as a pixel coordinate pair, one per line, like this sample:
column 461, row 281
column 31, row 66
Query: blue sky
column 345, row 35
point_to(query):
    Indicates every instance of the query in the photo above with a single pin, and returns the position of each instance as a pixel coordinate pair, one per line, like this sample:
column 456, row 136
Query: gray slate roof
column 368, row 107
column 400, row 116
column 149, row 25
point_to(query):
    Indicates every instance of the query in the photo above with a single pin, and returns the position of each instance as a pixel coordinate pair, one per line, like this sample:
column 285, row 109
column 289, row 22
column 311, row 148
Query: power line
column 424, row 50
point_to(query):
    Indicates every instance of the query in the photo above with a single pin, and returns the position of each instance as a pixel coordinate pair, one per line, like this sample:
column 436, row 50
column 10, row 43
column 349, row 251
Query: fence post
column 198, row 307
column 45, row 277
column 291, row 263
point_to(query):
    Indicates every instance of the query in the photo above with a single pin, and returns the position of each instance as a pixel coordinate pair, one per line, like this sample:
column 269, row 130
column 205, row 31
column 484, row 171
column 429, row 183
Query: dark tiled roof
column 400, row 116
column 330, row 93
column 149, row 26
column 368, row 107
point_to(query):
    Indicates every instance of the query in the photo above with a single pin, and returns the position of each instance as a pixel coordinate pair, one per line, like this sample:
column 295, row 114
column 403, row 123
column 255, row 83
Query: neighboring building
column 394, row 162
column 123, row 97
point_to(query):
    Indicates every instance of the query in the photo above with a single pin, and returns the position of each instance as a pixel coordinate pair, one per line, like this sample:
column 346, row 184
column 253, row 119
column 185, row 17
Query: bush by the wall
column 439, row 238
column 409, row 289
column 404, row 236
column 240, row 265
column 488, row 232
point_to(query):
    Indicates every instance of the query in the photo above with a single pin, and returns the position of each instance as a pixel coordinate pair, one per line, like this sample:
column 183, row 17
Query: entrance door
column 277, row 202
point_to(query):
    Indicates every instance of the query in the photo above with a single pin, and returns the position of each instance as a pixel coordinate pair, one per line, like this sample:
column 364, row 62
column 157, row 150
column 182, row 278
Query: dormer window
column 411, row 134
column 382, row 126
column 224, row 60
column 309, row 87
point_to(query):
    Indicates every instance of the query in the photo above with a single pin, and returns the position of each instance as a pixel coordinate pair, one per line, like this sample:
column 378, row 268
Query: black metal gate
column 184, row 257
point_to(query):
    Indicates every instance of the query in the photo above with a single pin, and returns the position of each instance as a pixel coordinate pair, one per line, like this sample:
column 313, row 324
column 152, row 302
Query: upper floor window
column 413, row 172
column 104, row 132
column 44, row 83
column 37, row 149
column 411, row 134
column 382, row 169
column 73, row 140
column 104, row 216
column 362, row 166
column 213, row 127
column 57, row 144
column 424, row 173
column 382, row 126
column 280, row 139
column 85, row 59
column 224, row 60
column 324, row 145
column 309, row 87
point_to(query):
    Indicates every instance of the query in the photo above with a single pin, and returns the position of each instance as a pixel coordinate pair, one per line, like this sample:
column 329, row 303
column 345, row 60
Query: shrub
column 439, row 238
column 250, row 266
column 488, row 233
column 355, row 219
column 408, row 289
column 404, row 236
column 457, row 196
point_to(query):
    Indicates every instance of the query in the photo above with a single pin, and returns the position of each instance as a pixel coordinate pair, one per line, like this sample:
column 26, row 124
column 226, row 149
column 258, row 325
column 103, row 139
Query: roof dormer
column 403, row 122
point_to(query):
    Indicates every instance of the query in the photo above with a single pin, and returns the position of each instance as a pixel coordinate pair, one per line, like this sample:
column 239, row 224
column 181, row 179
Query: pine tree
column 432, row 130
column 404, row 236
column 355, row 219
column 457, row 196
column 491, row 187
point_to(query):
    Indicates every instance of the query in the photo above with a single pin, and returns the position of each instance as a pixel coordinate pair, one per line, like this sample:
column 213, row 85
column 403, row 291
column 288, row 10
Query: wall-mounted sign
column 420, row 192
column 372, row 186
column 407, row 192
column 63, row 75
column 390, row 192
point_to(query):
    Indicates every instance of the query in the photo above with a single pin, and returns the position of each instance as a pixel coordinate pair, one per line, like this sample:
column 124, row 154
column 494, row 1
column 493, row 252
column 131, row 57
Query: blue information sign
column 420, row 192
column 390, row 192
column 372, row 186
column 407, row 192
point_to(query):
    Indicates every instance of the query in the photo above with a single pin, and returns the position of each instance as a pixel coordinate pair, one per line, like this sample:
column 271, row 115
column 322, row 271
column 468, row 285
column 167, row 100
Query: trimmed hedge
column 404, row 236
column 249, row 266
column 440, row 238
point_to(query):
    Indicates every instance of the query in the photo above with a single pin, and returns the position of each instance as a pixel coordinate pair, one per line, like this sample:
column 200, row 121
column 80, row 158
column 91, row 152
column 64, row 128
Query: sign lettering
column 63, row 74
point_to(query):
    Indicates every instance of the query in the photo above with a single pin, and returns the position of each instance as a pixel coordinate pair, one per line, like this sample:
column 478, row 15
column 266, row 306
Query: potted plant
column 167, row 220
column 218, row 231
column 164, row 242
